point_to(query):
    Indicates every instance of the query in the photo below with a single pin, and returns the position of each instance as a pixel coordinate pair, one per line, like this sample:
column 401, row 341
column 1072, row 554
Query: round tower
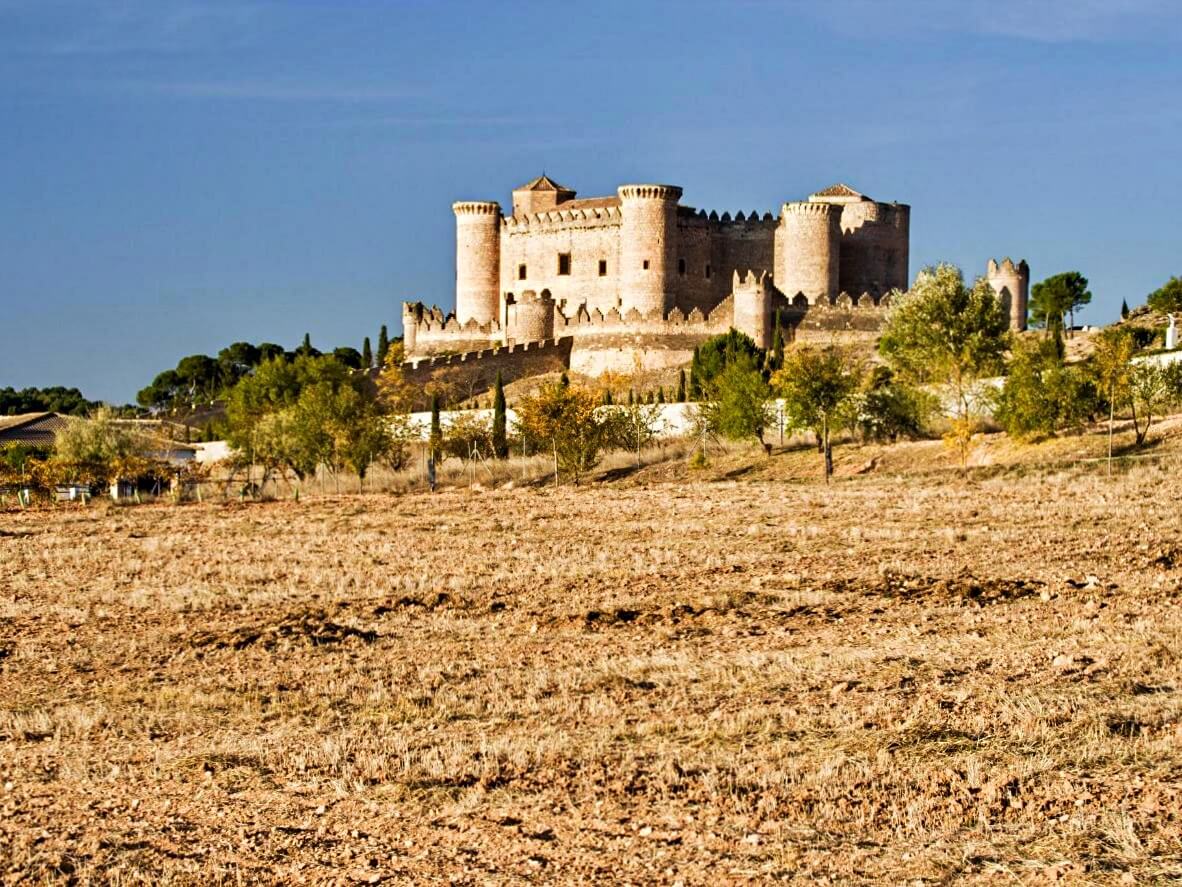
column 647, row 245
column 1012, row 284
column 478, row 260
column 808, row 250
column 753, row 307
column 533, row 317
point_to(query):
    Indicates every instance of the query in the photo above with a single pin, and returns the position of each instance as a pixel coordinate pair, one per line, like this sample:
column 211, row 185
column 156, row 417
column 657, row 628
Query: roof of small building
column 31, row 427
column 544, row 183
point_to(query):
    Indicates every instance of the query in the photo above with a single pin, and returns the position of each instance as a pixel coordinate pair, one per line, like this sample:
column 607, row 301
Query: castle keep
column 638, row 279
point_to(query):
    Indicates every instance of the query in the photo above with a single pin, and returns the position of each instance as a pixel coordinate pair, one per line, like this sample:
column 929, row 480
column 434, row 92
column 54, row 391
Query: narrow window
column 646, row 264
column 521, row 272
column 564, row 264
column 707, row 272
column 681, row 267
column 603, row 267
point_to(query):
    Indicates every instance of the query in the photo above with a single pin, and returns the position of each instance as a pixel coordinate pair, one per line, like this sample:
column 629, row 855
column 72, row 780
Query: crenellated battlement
column 476, row 208
column 808, row 208
column 456, row 359
column 649, row 192
column 587, row 217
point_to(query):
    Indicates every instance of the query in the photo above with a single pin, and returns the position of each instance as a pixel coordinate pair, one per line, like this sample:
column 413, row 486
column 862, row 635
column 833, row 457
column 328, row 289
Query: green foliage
column 718, row 352
column 818, row 385
column 775, row 359
column 296, row 415
column 681, row 386
column 101, row 450
column 500, row 439
column 1152, row 389
column 68, row 401
column 1041, row 395
column 736, row 400
column 306, row 349
column 349, row 357
column 946, row 333
column 1124, row 305
column 886, row 409
column 1058, row 296
column 1167, row 299
column 366, row 354
column 695, row 384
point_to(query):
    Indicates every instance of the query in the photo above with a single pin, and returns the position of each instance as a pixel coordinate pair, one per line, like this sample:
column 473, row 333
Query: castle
column 637, row 279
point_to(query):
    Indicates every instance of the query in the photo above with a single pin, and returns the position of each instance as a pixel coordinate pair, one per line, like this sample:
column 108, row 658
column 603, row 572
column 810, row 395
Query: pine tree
column 366, row 354
column 500, row 441
column 681, row 386
column 1124, row 309
column 383, row 346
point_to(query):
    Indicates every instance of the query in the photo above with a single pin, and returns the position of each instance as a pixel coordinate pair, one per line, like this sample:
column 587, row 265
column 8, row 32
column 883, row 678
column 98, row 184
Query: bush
column 886, row 409
column 1041, row 395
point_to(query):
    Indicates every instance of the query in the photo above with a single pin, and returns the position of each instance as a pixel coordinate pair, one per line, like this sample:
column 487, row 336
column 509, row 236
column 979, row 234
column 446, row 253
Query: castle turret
column 478, row 260
column 808, row 251
column 1012, row 284
column 531, row 319
column 412, row 313
column 647, row 246
column 753, row 307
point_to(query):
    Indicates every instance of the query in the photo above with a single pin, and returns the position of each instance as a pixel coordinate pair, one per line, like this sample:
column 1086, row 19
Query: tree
column 306, row 349
column 500, row 439
column 350, row 357
column 100, row 450
column 681, row 386
column 636, row 426
column 717, row 352
column 235, row 361
column 366, row 354
column 1062, row 294
column 1151, row 390
column 468, row 436
column 198, row 377
column 435, row 443
column 695, row 384
column 1110, row 361
column 565, row 416
column 361, row 434
column 818, row 385
column 776, row 355
column 946, row 333
column 885, row 408
column 1124, row 309
column 1041, row 395
column 1167, row 299
column 735, row 404
column 269, row 351
column 383, row 346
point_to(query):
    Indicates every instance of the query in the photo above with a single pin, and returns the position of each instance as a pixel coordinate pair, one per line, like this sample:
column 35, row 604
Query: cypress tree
column 607, row 397
column 500, row 441
column 695, row 385
column 436, row 443
column 661, row 394
column 366, row 354
column 777, row 356
column 306, row 345
column 564, row 381
column 631, row 397
column 681, row 386
column 1124, row 309
column 383, row 345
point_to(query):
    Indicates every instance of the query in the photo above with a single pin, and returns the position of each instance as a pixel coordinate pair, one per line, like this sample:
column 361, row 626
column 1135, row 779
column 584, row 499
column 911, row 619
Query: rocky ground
column 726, row 677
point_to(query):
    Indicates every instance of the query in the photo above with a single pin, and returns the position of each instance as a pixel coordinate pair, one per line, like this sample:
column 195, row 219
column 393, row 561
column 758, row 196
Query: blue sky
column 179, row 174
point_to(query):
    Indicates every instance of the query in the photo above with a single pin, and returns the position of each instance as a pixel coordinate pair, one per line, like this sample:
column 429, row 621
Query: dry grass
column 720, row 675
